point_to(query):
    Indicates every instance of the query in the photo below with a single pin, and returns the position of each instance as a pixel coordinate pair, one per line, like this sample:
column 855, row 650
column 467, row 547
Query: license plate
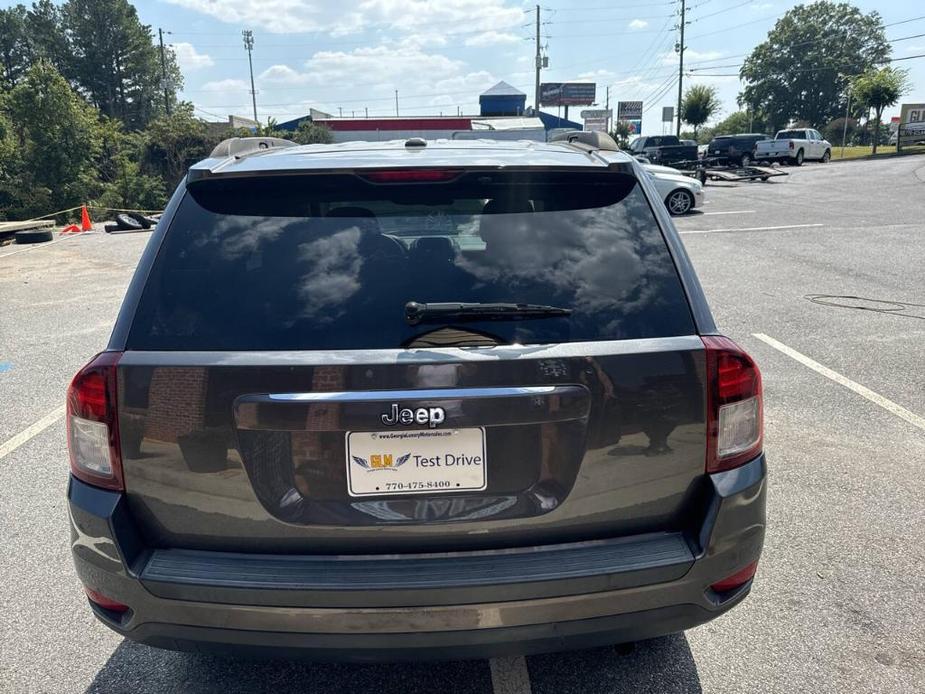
column 435, row 461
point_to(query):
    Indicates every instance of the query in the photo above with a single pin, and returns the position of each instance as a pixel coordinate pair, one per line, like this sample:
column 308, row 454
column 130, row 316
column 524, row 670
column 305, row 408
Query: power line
column 724, row 10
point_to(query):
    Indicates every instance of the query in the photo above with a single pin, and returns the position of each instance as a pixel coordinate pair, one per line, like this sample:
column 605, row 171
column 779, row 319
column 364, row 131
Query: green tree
column 47, row 38
column 172, row 143
column 739, row 122
column 802, row 70
column 122, row 183
column 835, row 130
column 115, row 62
column 878, row 89
column 700, row 103
column 58, row 140
column 311, row 133
column 621, row 133
column 15, row 55
column 10, row 161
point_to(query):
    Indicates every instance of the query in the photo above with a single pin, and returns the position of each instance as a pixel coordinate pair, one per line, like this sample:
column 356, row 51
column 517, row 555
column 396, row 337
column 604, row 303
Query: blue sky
column 353, row 54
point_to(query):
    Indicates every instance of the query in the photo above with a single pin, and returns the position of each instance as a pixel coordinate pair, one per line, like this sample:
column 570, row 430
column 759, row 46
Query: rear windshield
column 791, row 135
column 329, row 262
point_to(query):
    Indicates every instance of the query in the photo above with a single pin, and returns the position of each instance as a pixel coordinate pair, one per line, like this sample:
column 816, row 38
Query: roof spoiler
column 242, row 146
column 589, row 138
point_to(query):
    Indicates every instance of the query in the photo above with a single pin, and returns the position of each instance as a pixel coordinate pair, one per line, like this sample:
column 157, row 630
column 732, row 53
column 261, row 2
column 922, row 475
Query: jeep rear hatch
column 277, row 395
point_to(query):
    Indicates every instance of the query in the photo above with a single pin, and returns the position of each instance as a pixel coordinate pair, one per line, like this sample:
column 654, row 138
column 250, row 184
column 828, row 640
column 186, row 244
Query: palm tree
column 700, row 103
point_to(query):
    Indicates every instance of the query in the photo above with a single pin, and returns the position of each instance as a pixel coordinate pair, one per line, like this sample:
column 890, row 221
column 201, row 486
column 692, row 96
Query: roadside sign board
column 567, row 93
column 667, row 114
column 596, row 119
column 911, row 124
column 629, row 110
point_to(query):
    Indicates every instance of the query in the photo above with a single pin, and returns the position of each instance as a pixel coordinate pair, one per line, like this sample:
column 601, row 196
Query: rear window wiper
column 416, row 313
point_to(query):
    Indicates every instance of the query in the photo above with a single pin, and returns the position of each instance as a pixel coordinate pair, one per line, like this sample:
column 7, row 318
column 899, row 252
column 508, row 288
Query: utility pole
column 844, row 135
column 249, row 46
column 539, row 62
column 396, row 103
column 160, row 33
column 681, row 63
column 607, row 108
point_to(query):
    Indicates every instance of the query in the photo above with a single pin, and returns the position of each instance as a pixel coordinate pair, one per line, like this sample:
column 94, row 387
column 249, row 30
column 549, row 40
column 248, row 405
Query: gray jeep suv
column 409, row 400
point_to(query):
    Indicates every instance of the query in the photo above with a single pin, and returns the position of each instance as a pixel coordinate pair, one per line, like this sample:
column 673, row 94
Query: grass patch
column 882, row 150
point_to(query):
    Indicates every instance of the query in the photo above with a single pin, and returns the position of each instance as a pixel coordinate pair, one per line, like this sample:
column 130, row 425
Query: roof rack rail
column 242, row 146
column 589, row 138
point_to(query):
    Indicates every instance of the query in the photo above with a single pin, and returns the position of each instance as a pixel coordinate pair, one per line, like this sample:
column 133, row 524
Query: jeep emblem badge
column 431, row 416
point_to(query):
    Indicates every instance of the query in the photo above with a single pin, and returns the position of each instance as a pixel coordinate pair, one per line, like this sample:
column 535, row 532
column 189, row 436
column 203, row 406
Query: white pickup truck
column 794, row 146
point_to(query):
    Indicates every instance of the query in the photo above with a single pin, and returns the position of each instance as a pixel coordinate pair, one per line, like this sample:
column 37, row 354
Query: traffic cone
column 72, row 229
column 85, row 223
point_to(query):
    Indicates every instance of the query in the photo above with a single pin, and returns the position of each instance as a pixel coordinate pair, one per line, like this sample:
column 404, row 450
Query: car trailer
column 705, row 170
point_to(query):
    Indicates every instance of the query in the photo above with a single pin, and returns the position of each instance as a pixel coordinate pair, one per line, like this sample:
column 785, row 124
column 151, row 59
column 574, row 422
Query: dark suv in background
column 408, row 400
column 735, row 149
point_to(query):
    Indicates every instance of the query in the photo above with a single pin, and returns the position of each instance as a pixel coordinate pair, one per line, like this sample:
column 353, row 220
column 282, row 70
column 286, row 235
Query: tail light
column 791, row 144
column 92, row 425
column 735, row 419
column 412, row 175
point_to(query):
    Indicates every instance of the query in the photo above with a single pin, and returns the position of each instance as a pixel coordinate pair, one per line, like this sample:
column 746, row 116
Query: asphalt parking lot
column 838, row 602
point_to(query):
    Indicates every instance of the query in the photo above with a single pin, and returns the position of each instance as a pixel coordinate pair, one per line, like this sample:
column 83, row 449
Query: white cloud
column 492, row 38
column 189, row 59
column 422, row 40
column 454, row 90
column 691, row 56
column 227, row 85
column 282, row 74
column 378, row 65
column 762, row 6
column 351, row 16
column 638, row 24
column 602, row 77
column 471, row 15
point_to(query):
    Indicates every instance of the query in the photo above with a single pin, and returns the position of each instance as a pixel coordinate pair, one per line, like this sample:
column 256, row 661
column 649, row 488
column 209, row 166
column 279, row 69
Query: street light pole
column 249, row 46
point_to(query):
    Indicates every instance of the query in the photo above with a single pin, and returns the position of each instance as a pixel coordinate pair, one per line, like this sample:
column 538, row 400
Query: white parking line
column 509, row 676
column 31, row 431
column 863, row 391
column 704, row 214
column 720, row 231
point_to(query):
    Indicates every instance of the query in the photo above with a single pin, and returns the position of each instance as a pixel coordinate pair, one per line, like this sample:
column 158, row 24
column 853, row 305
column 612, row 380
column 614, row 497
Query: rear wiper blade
column 416, row 312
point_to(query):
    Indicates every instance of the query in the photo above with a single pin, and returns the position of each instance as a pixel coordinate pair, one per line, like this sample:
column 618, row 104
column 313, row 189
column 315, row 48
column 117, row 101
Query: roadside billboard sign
column 567, row 93
column 667, row 114
column 629, row 110
column 911, row 125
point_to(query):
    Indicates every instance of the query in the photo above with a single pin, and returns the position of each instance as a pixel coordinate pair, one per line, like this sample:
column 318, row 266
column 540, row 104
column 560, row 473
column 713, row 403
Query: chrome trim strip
column 424, row 394
column 435, row 355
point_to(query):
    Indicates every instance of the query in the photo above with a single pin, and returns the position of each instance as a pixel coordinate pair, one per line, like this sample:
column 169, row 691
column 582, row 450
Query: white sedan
column 680, row 193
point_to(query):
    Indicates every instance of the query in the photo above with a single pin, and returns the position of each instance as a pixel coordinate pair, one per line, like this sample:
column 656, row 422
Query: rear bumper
column 401, row 607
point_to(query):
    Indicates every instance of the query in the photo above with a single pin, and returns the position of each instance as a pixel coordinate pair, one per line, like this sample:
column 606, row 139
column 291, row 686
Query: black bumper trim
column 399, row 580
